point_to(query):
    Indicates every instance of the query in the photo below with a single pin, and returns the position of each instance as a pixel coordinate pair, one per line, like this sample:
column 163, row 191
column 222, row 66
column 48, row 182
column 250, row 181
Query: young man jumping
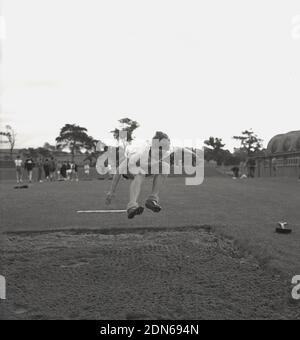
column 138, row 160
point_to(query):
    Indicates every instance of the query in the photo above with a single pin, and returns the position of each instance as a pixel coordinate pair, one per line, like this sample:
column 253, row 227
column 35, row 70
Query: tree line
column 76, row 140
column 250, row 145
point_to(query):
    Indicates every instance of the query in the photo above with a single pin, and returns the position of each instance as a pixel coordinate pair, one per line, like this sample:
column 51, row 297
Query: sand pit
column 187, row 274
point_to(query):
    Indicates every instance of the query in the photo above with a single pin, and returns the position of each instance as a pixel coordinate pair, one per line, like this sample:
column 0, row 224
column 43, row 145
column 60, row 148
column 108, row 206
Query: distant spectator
column 86, row 170
column 52, row 168
column 58, row 167
column 63, row 171
column 69, row 170
column 251, row 164
column 235, row 170
column 75, row 171
column 47, row 169
column 39, row 166
column 243, row 169
column 29, row 165
column 18, row 164
column 274, row 166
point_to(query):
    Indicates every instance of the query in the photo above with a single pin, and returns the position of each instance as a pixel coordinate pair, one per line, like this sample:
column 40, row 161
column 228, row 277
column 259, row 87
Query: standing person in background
column 75, row 171
column 235, row 171
column 251, row 163
column 63, row 171
column 18, row 164
column 29, row 165
column 274, row 166
column 52, row 169
column 72, row 170
column 47, row 169
column 58, row 167
column 243, row 169
column 69, row 170
column 87, row 170
column 39, row 166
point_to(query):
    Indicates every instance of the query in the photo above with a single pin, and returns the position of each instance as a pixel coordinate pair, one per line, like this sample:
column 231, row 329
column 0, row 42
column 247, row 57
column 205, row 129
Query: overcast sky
column 191, row 68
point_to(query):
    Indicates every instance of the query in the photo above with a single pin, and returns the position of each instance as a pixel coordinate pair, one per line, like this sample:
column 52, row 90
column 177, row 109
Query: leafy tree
column 125, row 133
column 215, row 150
column 10, row 134
column 235, row 158
column 49, row 147
column 33, row 153
column 75, row 138
column 91, row 145
column 249, row 142
column 215, row 143
column 36, row 153
column 92, row 151
column 43, row 152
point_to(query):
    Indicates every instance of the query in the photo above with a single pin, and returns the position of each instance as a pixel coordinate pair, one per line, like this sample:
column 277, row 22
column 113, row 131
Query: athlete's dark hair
column 161, row 135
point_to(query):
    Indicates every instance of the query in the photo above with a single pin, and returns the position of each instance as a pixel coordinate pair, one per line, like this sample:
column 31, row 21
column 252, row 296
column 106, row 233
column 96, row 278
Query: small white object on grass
column 100, row 211
column 282, row 228
column 282, row 224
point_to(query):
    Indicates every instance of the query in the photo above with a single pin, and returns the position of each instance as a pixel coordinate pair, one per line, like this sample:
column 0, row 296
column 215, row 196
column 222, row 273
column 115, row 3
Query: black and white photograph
column 149, row 162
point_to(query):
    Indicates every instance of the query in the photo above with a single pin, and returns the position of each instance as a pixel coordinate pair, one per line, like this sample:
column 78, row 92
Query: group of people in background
column 49, row 169
column 244, row 170
column 247, row 169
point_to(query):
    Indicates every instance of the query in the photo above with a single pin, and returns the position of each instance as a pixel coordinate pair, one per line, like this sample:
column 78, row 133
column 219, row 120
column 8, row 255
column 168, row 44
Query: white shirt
column 141, row 151
column 18, row 162
column 138, row 157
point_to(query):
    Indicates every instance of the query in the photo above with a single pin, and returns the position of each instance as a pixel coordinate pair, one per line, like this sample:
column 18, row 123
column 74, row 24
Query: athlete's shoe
column 131, row 212
column 153, row 205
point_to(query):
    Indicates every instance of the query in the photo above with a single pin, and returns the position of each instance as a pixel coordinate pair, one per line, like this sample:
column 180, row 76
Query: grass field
column 211, row 253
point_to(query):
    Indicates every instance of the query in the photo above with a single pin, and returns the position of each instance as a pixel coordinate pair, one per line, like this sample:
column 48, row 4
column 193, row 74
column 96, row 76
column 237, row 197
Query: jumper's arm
column 115, row 182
